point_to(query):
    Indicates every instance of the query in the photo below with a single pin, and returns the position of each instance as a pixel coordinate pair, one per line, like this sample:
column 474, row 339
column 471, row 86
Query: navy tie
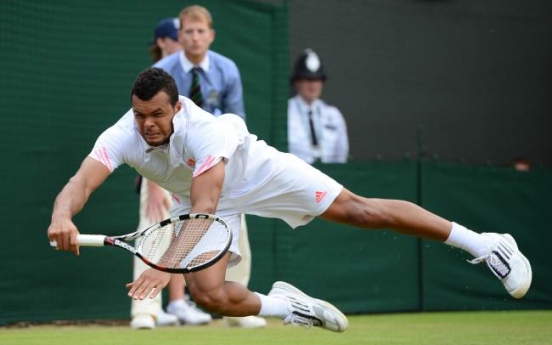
column 314, row 140
column 195, row 89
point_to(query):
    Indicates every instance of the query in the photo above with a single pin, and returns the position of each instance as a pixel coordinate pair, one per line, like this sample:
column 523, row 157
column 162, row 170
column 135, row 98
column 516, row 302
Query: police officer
column 316, row 131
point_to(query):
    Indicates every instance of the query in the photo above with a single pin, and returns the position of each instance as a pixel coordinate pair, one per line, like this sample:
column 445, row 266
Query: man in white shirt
column 214, row 165
column 316, row 130
column 213, row 82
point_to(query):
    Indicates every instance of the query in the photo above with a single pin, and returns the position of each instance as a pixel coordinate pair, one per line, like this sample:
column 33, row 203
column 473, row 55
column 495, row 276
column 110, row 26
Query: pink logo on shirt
column 205, row 166
column 103, row 156
column 319, row 196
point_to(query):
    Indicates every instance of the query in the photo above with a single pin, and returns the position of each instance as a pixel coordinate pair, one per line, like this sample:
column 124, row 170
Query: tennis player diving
column 214, row 165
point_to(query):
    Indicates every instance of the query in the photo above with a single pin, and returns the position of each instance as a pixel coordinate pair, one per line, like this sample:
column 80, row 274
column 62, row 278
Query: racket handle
column 86, row 240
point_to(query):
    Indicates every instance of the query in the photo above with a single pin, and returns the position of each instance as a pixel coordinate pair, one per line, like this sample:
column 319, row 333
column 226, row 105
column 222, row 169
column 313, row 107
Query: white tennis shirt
column 199, row 142
column 258, row 179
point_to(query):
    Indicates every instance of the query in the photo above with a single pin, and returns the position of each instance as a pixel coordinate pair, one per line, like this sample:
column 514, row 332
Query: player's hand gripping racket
column 186, row 243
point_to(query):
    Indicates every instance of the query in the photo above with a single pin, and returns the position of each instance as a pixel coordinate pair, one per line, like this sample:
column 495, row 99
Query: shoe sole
column 342, row 326
column 522, row 290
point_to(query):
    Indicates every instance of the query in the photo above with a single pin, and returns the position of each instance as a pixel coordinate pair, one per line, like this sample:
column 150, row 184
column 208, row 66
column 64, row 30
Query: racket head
column 184, row 243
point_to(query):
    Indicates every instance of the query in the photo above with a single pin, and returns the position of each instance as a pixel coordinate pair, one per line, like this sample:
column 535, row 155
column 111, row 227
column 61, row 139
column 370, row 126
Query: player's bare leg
column 284, row 301
column 499, row 251
column 210, row 290
column 180, row 305
column 399, row 215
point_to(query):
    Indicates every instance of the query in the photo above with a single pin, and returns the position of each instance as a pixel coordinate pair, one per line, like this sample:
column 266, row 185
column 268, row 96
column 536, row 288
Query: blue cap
column 167, row 27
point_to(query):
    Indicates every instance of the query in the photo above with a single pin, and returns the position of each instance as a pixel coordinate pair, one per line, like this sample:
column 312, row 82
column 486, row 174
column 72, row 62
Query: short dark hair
column 152, row 81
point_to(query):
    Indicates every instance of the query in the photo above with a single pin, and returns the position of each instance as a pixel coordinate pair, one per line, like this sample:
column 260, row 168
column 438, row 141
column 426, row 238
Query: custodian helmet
column 308, row 66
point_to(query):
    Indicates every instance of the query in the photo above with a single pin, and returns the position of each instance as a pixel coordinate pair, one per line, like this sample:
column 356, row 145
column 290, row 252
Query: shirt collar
column 162, row 148
column 187, row 65
column 304, row 105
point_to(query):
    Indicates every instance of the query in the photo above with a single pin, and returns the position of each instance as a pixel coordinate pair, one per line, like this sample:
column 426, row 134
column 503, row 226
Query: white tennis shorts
column 280, row 186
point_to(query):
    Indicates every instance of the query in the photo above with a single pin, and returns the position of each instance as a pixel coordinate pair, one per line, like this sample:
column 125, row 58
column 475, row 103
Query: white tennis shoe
column 307, row 311
column 188, row 313
column 508, row 264
column 166, row 319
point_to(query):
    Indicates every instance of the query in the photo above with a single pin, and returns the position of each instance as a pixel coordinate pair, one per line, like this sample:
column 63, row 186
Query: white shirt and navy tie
column 317, row 132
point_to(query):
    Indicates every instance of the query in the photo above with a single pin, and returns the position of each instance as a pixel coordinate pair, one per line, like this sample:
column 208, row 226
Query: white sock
column 468, row 240
column 273, row 307
column 174, row 304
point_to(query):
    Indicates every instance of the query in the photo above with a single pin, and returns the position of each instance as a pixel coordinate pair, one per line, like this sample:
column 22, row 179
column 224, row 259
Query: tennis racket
column 181, row 244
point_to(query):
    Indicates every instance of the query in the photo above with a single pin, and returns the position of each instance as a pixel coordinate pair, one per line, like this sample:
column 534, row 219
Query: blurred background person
column 317, row 131
column 213, row 82
column 155, row 204
column 165, row 39
column 521, row 163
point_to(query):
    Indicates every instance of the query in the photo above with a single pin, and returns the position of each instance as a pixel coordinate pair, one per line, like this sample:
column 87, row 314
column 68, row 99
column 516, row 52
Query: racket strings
column 186, row 244
column 189, row 236
column 203, row 258
column 215, row 240
column 156, row 243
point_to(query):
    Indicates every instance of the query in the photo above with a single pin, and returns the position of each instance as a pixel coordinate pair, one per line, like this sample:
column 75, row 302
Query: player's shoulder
column 118, row 142
column 192, row 115
column 126, row 122
column 198, row 129
column 232, row 120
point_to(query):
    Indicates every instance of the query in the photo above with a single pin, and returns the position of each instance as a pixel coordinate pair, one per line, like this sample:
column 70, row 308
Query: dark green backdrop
column 65, row 74
column 375, row 271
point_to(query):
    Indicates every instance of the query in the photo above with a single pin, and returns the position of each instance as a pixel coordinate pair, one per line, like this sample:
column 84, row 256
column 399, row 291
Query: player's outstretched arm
column 71, row 200
column 206, row 189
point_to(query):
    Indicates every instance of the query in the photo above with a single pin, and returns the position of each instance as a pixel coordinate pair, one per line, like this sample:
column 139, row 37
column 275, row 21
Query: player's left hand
column 150, row 282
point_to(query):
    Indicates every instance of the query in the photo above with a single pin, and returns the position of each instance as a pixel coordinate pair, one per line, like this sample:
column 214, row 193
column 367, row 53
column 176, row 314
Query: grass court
column 440, row 328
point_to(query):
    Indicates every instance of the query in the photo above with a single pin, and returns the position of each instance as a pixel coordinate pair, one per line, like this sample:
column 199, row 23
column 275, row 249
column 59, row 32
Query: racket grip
column 86, row 240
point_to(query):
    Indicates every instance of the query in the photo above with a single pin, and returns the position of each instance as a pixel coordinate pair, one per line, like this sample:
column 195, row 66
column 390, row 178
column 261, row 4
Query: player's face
column 154, row 118
column 309, row 90
column 196, row 37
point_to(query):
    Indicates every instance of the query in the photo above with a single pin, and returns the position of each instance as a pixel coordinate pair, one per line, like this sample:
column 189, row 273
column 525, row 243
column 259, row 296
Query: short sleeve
column 210, row 144
column 107, row 150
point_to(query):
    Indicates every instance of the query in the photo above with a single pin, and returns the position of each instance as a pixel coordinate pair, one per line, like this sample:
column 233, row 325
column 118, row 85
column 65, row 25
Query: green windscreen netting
column 65, row 75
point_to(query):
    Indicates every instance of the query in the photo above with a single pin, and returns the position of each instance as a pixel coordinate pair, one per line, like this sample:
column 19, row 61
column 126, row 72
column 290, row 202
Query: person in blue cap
column 165, row 39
